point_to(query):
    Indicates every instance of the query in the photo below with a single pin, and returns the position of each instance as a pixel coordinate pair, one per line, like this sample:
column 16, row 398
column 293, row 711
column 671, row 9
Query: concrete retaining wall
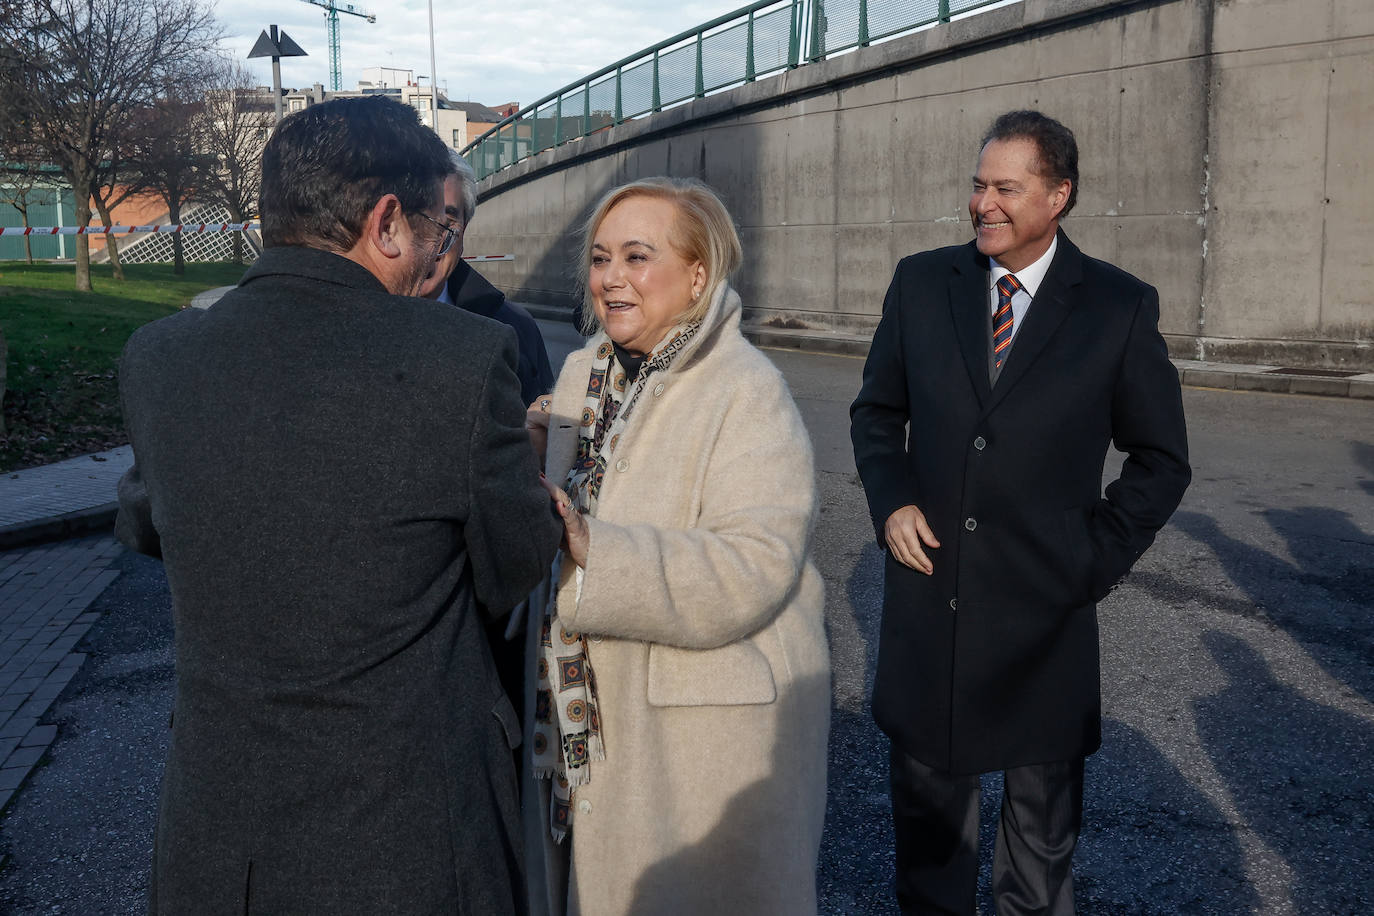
column 1225, row 146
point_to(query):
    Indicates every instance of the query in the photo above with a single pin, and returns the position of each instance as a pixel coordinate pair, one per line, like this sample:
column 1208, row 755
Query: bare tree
column 167, row 151
column 238, row 118
column 84, row 68
column 19, row 187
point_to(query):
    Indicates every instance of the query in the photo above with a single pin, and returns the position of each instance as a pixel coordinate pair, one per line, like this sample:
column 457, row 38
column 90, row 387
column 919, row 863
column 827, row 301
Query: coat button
column 658, row 390
column 954, row 604
column 622, row 465
column 980, row 443
column 970, row 523
column 584, row 807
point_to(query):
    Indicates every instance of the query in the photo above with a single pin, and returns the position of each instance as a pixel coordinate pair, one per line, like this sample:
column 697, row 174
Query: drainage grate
column 1314, row 373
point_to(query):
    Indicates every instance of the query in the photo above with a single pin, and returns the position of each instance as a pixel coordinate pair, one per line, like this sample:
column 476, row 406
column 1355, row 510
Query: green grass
column 61, row 394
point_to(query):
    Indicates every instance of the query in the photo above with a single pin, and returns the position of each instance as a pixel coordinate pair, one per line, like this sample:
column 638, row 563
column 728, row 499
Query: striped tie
column 1002, row 318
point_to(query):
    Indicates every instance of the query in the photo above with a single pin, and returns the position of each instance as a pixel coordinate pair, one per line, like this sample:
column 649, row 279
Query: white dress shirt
column 1030, row 279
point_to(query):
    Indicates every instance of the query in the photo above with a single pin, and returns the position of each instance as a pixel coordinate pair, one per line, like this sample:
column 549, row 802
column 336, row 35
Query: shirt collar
column 1033, row 274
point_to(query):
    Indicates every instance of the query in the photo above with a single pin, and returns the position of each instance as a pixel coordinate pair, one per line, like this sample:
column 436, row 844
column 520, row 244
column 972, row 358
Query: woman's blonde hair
column 702, row 231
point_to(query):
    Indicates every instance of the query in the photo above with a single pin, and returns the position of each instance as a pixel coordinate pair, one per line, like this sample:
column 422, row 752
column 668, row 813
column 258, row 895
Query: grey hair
column 467, row 180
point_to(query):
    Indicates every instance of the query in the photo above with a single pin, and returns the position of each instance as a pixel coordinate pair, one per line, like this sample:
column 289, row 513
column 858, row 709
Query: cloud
column 500, row 53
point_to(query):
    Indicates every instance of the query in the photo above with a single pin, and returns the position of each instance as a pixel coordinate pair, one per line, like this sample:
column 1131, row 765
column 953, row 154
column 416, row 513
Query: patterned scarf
column 567, row 720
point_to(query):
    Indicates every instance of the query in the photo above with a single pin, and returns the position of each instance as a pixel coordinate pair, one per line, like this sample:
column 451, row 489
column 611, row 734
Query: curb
column 830, row 342
column 59, row 527
column 1191, row 373
column 1275, row 380
column 209, row 297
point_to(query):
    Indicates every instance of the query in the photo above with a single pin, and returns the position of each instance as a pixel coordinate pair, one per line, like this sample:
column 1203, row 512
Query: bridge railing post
column 701, row 76
column 944, row 10
column 794, row 34
column 863, row 23
column 749, row 50
column 818, row 28
column 619, row 107
column 658, row 100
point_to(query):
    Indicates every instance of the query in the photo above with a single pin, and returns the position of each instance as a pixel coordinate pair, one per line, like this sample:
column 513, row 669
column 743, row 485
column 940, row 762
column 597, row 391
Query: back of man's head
column 325, row 167
column 1055, row 142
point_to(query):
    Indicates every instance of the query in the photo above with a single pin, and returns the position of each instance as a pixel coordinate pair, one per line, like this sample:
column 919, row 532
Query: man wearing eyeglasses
column 338, row 479
column 454, row 281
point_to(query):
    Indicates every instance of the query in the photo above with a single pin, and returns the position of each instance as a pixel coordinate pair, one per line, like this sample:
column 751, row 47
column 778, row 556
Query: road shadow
column 856, row 859
column 1300, row 775
column 1151, row 842
column 1323, row 597
column 1364, row 456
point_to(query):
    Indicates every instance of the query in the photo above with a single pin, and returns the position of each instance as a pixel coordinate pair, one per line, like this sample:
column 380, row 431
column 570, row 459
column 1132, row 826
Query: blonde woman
column 683, row 675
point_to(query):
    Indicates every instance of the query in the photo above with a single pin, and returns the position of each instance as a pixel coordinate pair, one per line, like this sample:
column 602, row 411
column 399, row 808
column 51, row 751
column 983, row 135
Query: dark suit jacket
column 992, row 661
column 334, row 477
column 470, row 290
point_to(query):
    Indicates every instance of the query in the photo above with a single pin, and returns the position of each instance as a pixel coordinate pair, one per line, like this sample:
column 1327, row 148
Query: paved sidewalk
column 44, row 594
column 61, row 500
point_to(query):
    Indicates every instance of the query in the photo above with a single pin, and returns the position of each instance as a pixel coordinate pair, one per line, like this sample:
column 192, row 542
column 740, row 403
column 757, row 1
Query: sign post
column 276, row 46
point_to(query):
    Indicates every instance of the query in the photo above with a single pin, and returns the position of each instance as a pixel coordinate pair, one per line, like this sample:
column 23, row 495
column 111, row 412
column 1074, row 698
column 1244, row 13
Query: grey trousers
column 935, row 816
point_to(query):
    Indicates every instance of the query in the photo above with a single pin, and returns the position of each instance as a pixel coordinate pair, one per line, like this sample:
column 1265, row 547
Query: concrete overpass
column 1227, row 157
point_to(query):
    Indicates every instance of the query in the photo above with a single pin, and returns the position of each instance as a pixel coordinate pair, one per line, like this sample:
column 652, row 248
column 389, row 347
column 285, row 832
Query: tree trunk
column 28, row 256
column 4, row 363
column 178, row 247
column 83, row 244
column 235, row 216
column 110, row 245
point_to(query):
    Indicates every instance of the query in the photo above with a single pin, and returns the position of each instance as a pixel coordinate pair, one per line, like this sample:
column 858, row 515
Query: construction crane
column 334, row 8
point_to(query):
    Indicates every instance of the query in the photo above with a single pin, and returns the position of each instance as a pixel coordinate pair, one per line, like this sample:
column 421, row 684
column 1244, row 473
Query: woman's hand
column 537, row 425
column 576, row 535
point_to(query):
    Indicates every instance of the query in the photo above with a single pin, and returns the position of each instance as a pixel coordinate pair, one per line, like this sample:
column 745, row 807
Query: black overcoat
column 992, row 661
column 334, row 477
column 470, row 290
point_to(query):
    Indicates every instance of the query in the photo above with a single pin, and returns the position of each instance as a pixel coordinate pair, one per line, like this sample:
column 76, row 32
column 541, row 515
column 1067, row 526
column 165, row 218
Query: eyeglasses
column 450, row 236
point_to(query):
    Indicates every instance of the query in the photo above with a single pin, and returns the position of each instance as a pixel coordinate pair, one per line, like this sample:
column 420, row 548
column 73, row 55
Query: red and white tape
column 193, row 228
column 124, row 230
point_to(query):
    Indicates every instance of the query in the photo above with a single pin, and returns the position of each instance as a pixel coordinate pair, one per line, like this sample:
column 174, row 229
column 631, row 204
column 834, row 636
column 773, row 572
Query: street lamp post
column 433, row 73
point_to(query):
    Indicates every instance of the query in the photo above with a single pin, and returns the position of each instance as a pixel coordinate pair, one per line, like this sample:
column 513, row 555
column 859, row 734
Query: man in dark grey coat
column 337, row 476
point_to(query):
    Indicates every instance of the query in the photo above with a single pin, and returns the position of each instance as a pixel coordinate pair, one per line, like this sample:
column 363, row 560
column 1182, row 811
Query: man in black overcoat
column 456, row 282
column 999, row 374
column 337, row 476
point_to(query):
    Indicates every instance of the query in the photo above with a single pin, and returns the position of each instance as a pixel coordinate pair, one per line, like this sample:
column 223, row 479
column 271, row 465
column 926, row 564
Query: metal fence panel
column 754, row 41
column 637, row 90
column 772, row 41
column 723, row 56
column 677, row 74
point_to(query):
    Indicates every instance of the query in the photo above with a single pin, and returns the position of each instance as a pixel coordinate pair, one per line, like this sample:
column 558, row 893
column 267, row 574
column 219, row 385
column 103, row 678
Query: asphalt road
column 1238, row 685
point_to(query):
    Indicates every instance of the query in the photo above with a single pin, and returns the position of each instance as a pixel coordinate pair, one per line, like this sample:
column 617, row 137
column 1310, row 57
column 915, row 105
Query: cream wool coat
column 706, row 638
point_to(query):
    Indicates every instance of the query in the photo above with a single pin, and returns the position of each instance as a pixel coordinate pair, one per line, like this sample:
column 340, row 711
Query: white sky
column 488, row 52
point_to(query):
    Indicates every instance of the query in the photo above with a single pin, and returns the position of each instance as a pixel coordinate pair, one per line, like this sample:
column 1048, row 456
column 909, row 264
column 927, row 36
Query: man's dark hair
column 325, row 167
column 1055, row 143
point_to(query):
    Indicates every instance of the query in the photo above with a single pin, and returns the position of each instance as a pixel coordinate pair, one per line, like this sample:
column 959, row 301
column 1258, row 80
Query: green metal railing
column 761, row 39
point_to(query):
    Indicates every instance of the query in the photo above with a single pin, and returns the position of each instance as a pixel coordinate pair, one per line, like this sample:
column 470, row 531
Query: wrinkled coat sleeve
column 733, row 571
column 1148, row 425
column 134, row 523
column 510, row 529
column 878, row 417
